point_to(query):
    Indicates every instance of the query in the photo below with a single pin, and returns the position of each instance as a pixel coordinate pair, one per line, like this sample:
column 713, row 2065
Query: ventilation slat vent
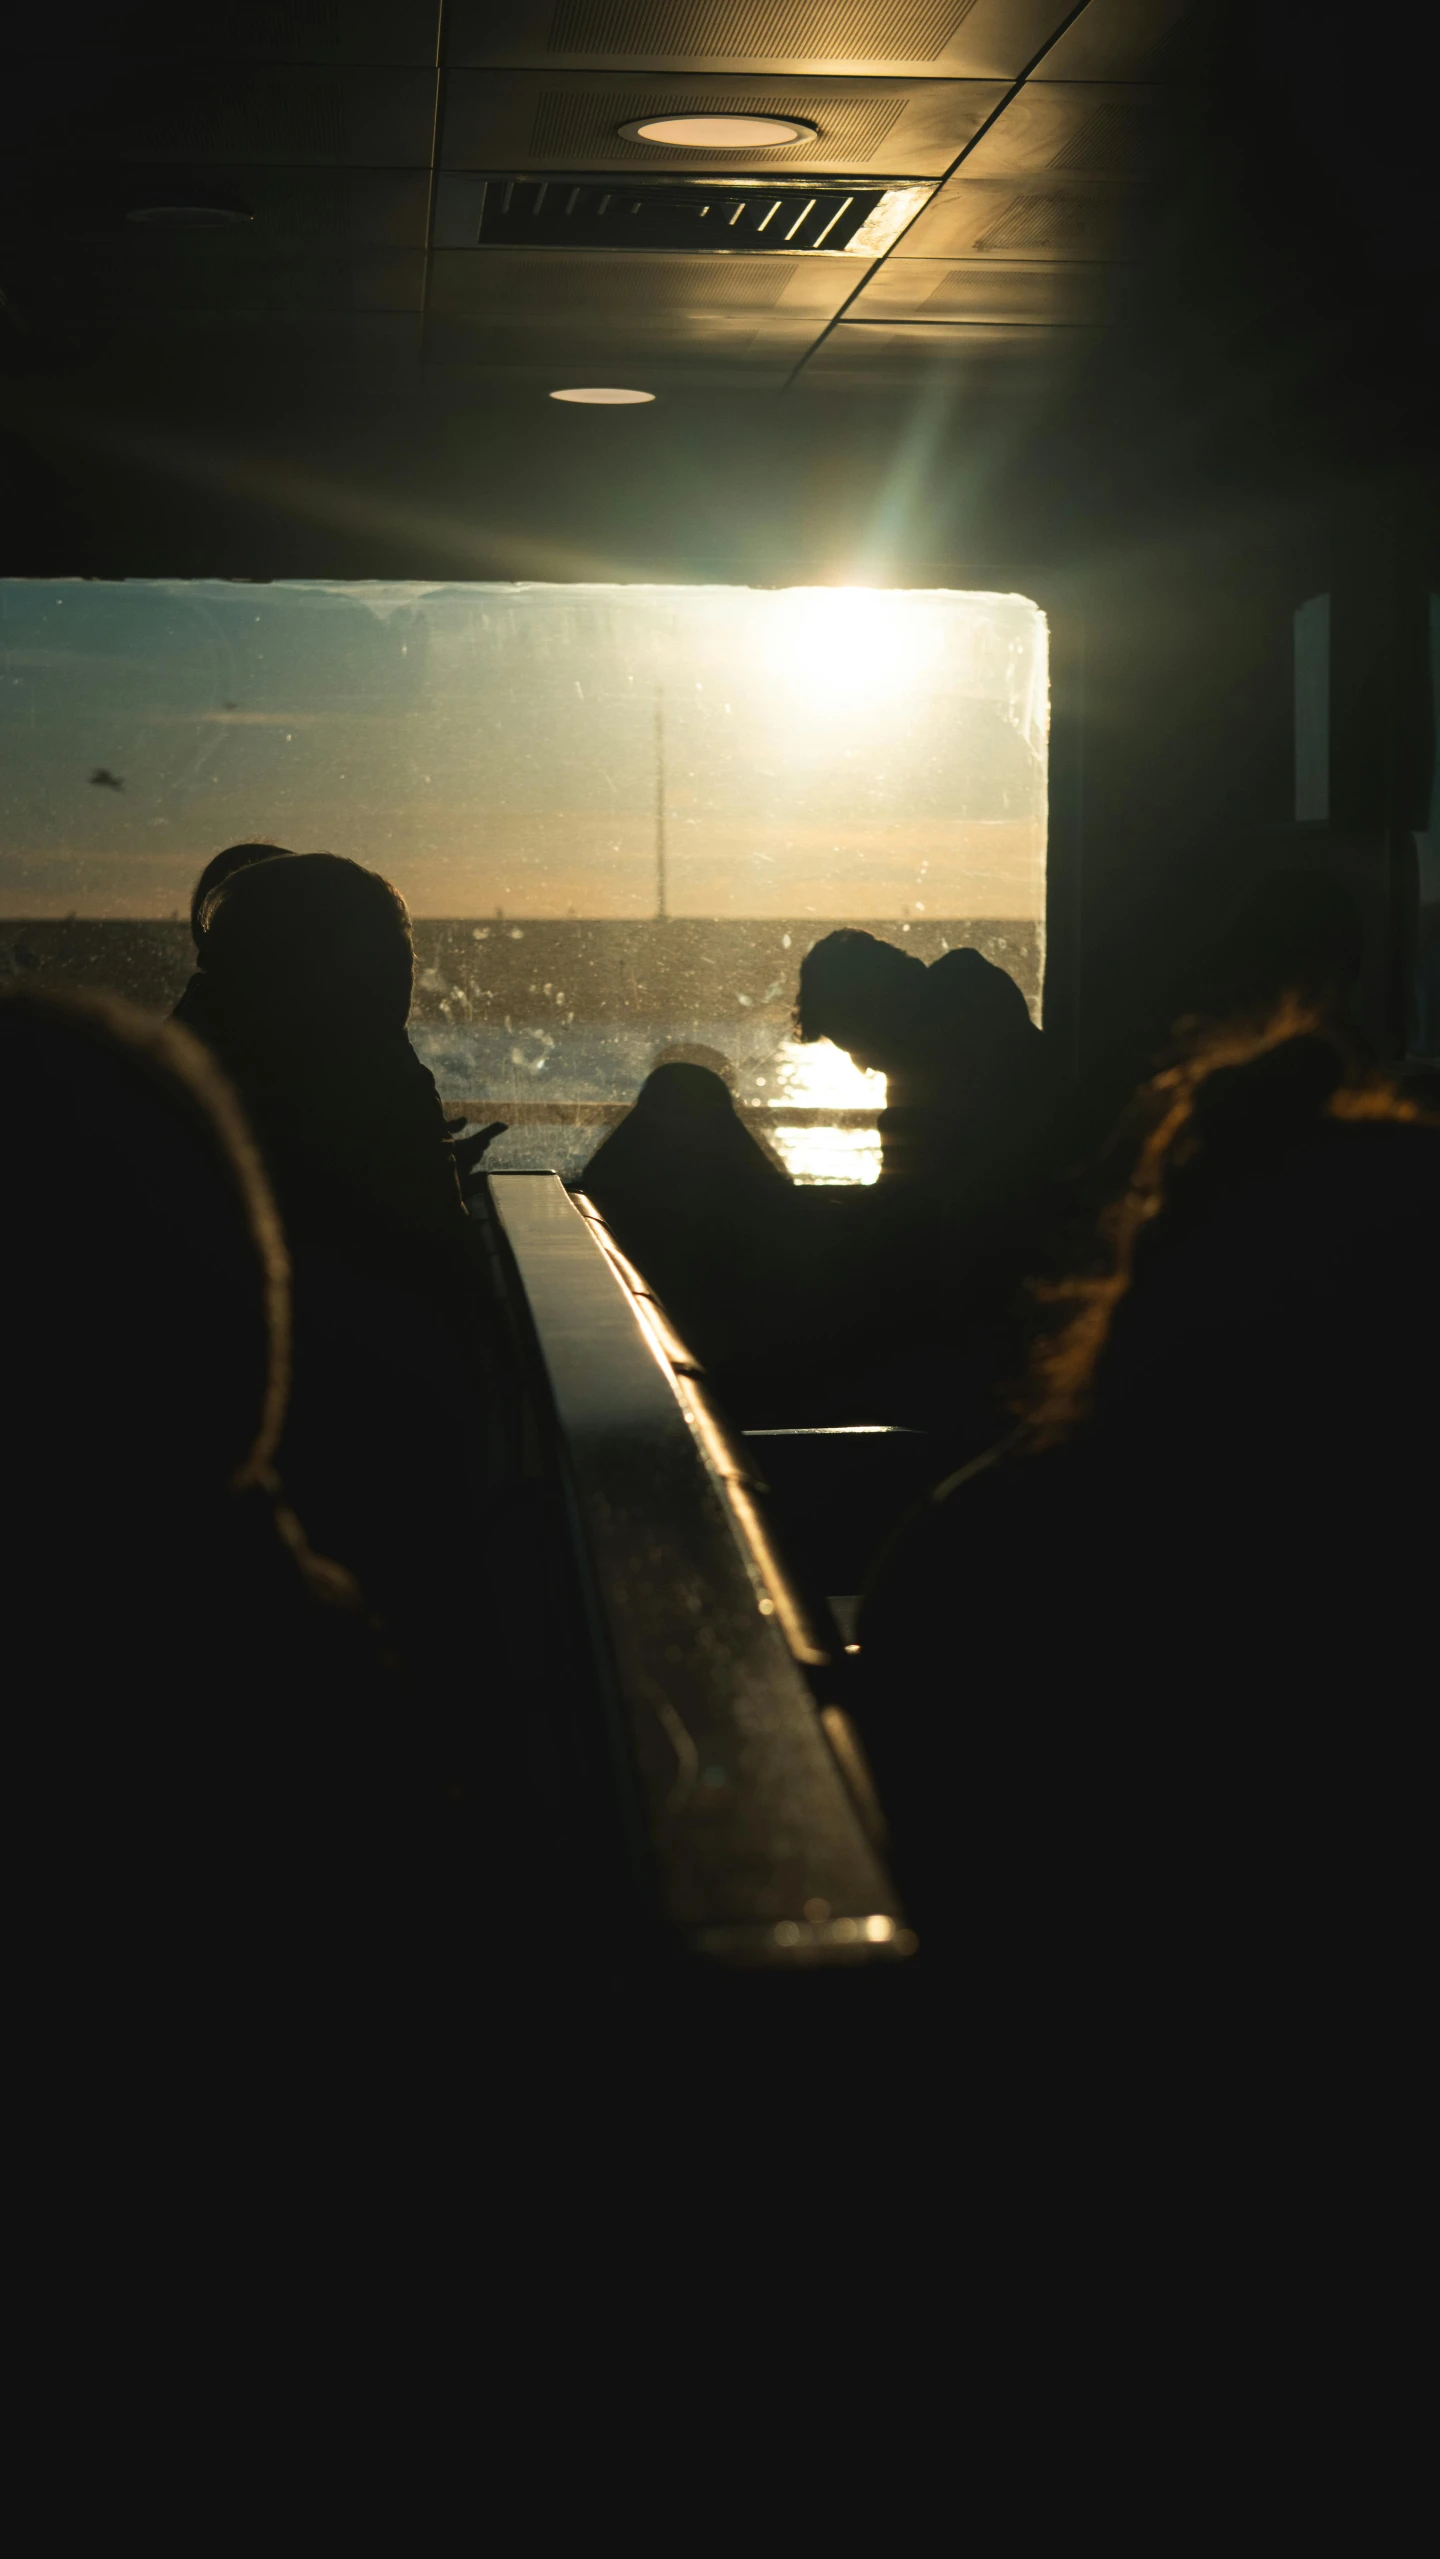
column 1120, row 140
column 582, row 123
column 761, row 30
column 609, row 213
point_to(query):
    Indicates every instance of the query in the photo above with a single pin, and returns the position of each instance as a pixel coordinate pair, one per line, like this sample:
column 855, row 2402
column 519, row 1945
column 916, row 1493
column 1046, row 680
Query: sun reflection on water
column 815, row 1075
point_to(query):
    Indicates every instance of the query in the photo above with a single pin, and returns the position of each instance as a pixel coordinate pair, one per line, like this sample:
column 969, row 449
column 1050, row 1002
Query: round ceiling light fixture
column 190, row 217
column 719, row 133
column 598, row 397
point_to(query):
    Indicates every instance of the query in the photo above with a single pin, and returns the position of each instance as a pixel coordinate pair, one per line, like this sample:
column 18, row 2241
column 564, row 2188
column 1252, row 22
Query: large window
column 619, row 814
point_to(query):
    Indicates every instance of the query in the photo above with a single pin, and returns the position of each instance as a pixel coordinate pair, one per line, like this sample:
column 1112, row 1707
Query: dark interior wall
column 1188, row 752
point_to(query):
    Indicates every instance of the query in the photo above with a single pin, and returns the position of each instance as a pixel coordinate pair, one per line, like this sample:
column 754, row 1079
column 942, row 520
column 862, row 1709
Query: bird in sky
column 104, row 780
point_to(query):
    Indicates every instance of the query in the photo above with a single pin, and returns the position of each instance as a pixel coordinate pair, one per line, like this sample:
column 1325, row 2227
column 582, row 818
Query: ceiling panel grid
column 226, row 118
column 527, row 120
column 379, row 31
column 1012, row 292
column 989, row 361
column 959, row 39
column 178, row 275
column 1130, row 40
column 535, row 282
column 314, row 122
column 289, row 208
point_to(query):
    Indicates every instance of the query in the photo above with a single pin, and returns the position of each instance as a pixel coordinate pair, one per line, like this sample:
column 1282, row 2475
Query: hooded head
column 223, row 866
column 310, row 948
column 145, row 1281
column 863, row 994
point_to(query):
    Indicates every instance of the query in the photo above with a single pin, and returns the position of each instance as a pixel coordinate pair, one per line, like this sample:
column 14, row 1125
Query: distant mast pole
column 660, row 907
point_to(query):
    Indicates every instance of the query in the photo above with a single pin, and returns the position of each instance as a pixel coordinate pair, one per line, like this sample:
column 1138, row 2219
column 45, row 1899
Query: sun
column 841, row 647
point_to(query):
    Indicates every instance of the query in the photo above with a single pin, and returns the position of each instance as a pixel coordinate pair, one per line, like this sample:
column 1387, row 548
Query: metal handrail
column 749, row 1781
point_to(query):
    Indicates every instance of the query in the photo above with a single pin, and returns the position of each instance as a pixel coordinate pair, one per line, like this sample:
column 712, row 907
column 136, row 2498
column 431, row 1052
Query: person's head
column 679, row 1094
column 1272, row 1259
column 145, row 1280
column 984, row 1010
column 695, row 1053
column 223, row 866
column 311, row 947
column 862, row 994
column 682, row 1138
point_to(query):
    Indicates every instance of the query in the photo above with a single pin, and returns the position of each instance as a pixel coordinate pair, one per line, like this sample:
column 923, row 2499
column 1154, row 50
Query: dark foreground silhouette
column 1146, row 1689
column 895, row 1303
column 211, row 1777
column 969, row 1078
column 697, row 1203
column 303, row 991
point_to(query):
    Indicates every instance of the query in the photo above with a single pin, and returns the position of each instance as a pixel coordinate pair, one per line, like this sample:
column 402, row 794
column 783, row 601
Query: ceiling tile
column 871, row 355
column 1047, row 218
column 1126, row 40
column 376, row 341
column 530, row 120
column 179, row 274
column 959, row 39
column 665, row 374
column 985, row 289
column 1099, row 130
column 291, row 208
column 391, row 31
column 228, row 118
column 530, row 284
column 634, row 352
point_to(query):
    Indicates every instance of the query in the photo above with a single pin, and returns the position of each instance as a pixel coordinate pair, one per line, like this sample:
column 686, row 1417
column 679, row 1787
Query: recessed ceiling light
column 604, row 399
column 719, row 133
column 189, row 217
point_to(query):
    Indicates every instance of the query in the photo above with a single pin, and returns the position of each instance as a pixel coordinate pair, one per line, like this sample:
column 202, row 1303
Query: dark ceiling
column 1126, row 240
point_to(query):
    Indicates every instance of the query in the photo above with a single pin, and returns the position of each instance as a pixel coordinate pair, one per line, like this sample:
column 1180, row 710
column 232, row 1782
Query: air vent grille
column 761, row 30
column 581, row 123
column 607, row 213
column 1120, row 140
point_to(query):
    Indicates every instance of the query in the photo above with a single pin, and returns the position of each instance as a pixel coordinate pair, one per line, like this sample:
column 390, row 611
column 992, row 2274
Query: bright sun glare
column 814, row 1075
column 843, row 645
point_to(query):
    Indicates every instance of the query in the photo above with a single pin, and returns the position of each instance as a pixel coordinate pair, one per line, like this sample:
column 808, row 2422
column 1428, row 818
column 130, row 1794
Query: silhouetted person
column 202, row 1739
column 304, row 986
column 694, row 1200
column 967, row 1079
column 931, row 1260
column 307, row 970
column 1149, row 1681
column 222, row 867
